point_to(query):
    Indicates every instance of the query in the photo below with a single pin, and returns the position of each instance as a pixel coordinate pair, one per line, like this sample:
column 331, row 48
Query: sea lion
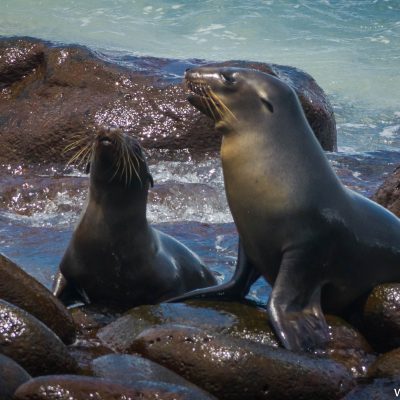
column 115, row 256
column 314, row 240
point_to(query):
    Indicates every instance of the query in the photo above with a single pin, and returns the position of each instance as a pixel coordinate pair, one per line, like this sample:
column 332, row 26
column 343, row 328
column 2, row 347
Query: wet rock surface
column 125, row 368
column 128, row 369
column 380, row 389
column 20, row 289
column 381, row 317
column 386, row 365
column 32, row 344
column 233, row 368
column 19, row 62
column 388, row 194
column 348, row 347
column 247, row 321
column 237, row 319
column 84, row 388
column 51, row 95
column 12, row 376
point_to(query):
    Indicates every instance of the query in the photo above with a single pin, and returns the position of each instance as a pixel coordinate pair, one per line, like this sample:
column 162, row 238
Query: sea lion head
column 236, row 98
column 117, row 159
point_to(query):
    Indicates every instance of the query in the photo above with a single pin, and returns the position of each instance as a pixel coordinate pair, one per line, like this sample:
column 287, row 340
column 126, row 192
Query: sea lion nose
column 105, row 140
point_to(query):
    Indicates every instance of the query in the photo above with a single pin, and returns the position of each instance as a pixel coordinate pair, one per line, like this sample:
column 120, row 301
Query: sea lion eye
column 267, row 104
column 228, row 79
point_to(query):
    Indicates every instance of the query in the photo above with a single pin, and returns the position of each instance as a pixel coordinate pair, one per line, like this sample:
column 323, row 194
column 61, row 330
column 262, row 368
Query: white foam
column 390, row 131
column 210, row 28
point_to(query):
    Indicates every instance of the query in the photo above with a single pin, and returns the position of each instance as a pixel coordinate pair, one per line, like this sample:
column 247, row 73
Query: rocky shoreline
column 49, row 94
column 195, row 350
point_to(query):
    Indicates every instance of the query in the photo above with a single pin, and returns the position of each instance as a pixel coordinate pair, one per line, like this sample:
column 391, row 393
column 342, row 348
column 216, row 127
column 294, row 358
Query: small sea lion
column 115, row 256
column 317, row 242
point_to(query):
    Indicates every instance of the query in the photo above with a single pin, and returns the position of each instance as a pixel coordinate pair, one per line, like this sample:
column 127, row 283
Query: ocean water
column 352, row 48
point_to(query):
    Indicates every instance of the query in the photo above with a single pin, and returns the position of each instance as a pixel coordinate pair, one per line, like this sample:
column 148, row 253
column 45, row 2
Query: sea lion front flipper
column 237, row 288
column 294, row 306
column 68, row 293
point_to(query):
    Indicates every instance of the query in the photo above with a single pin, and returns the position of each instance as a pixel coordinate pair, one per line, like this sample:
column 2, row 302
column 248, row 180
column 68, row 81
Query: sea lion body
column 299, row 227
column 115, row 256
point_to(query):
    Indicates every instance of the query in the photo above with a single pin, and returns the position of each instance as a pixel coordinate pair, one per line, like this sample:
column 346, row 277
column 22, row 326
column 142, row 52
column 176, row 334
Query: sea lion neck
column 119, row 201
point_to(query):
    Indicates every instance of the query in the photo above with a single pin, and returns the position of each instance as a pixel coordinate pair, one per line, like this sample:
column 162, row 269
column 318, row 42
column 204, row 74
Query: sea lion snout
column 108, row 136
column 211, row 76
column 105, row 140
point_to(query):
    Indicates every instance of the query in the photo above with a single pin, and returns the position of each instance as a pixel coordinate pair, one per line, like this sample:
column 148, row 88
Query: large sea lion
column 115, row 256
column 315, row 241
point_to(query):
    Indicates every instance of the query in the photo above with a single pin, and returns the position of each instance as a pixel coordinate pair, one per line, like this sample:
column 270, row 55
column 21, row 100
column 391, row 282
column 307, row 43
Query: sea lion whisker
column 86, row 156
column 74, row 144
column 124, row 169
column 136, row 170
column 209, row 102
column 216, row 106
column 223, row 105
column 212, row 98
column 78, row 154
column 128, row 176
column 118, row 161
column 78, row 161
column 86, row 160
column 133, row 156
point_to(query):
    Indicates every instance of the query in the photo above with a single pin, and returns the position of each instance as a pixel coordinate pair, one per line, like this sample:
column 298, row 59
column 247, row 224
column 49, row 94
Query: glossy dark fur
column 115, row 256
column 311, row 238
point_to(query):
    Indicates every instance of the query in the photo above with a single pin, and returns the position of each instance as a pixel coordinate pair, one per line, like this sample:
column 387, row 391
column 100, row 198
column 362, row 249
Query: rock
column 19, row 62
column 59, row 93
column 246, row 321
column 388, row 194
column 84, row 351
column 19, row 288
column 233, row 368
column 386, row 365
column 380, row 389
column 237, row 319
column 381, row 317
column 126, row 369
column 12, row 376
column 63, row 387
column 31, row 343
column 348, row 347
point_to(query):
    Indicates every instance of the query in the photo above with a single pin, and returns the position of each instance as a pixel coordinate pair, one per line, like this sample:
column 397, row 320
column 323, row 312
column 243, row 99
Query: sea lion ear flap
column 87, row 169
column 267, row 103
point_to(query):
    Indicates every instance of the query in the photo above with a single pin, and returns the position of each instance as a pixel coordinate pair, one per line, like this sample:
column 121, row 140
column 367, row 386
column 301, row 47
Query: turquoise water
column 351, row 47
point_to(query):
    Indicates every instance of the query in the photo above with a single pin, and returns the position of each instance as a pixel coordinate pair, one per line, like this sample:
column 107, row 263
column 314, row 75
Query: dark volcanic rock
column 130, row 369
column 125, row 368
column 232, row 368
column 386, row 365
column 381, row 317
column 388, row 194
column 31, row 343
column 348, row 347
column 380, row 389
column 12, row 376
column 69, row 387
column 19, row 288
column 237, row 319
column 51, row 95
column 19, row 62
